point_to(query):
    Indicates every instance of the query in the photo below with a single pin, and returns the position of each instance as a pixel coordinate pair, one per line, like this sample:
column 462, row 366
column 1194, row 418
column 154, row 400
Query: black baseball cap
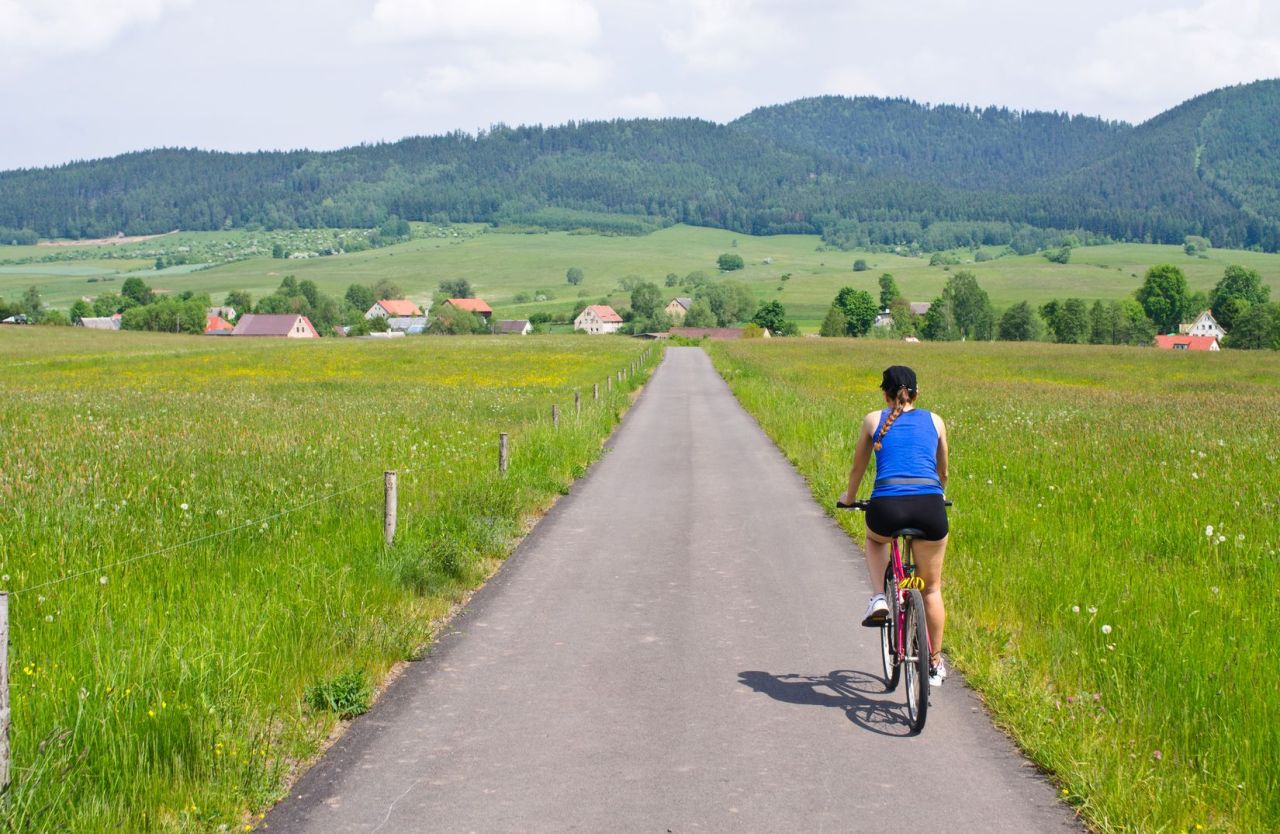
column 897, row 377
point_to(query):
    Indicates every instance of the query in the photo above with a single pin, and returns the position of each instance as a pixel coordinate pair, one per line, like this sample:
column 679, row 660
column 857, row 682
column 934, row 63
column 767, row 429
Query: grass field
column 501, row 265
column 177, row 692
column 1113, row 574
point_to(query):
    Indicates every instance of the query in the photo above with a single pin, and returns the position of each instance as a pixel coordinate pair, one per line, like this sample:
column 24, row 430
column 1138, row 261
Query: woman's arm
column 942, row 450
column 861, row 457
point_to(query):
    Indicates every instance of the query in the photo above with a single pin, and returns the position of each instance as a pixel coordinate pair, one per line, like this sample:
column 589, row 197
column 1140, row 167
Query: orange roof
column 1186, row 342
column 217, row 324
column 471, row 305
column 605, row 313
column 400, row 307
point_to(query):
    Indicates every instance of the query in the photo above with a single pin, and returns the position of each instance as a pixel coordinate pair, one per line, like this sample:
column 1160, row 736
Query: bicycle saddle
column 910, row 532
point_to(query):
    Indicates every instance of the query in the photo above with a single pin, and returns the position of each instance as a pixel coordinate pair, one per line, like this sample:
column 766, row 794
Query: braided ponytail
column 901, row 400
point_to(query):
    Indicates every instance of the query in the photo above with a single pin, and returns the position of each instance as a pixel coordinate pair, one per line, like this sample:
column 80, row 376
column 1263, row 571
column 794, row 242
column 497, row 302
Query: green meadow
column 501, row 264
column 191, row 535
column 1112, row 576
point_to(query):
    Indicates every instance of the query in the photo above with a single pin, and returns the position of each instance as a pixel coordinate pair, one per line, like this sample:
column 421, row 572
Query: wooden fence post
column 389, row 511
column 502, row 453
column 595, row 390
column 609, row 383
column 4, row 690
column 555, row 416
column 577, row 402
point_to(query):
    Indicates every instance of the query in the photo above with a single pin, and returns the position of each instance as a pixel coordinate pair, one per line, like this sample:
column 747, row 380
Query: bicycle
column 904, row 633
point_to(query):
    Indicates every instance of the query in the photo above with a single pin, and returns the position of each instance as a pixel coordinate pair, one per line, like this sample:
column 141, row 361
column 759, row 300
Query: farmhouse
column 598, row 318
column 218, row 326
column 287, row 325
column 101, row 322
column 472, row 305
column 717, row 334
column 678, row 308
column 518, row 327
column 1204, row 325
column 1187, row 342
column 883, row 319
column 389, row 307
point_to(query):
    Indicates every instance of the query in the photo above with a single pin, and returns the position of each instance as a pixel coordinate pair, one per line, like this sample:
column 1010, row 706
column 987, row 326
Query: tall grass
column 1112, row 575
column 169, row 693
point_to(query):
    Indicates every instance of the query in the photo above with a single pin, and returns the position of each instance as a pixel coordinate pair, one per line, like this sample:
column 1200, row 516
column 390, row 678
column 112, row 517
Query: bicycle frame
column 904, row 573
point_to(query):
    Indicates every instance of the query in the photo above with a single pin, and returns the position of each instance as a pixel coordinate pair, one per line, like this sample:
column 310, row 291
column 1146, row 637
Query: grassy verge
column 176, row 692
column 1113, row 573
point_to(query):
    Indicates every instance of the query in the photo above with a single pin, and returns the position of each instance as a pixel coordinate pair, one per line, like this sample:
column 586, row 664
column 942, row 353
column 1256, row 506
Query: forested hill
column 860, row 171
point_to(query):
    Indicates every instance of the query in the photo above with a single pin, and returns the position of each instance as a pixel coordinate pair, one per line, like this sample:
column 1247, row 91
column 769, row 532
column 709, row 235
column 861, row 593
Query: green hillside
column 858, row 171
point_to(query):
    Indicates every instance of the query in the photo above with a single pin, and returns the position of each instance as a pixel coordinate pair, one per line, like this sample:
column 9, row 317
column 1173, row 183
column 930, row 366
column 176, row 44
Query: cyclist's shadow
column 844, row 689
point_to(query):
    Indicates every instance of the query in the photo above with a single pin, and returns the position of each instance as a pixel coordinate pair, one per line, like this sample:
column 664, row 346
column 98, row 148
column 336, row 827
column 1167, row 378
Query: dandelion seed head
column 1075, row 609
column 102, row 580
column 184, row 506
column 1106, row 629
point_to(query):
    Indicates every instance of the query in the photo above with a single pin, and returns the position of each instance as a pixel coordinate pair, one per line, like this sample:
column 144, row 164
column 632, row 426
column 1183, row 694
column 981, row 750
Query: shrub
column 348, row 694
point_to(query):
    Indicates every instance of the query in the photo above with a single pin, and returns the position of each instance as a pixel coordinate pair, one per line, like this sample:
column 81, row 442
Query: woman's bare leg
column 929, row 556
column 877, row 551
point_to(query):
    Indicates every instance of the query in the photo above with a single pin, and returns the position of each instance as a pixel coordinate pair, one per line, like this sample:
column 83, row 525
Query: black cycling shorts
column 886, row 516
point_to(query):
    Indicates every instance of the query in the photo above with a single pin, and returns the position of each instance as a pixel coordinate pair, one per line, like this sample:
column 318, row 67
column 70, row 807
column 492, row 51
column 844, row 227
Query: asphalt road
column 674, row 648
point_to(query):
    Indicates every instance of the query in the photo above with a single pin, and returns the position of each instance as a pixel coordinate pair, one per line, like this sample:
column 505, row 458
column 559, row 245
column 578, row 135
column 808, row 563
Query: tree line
column 1239, row 302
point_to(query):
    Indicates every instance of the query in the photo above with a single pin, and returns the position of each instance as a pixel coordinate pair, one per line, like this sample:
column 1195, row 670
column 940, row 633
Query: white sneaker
column 937, row 674
column 877, row 612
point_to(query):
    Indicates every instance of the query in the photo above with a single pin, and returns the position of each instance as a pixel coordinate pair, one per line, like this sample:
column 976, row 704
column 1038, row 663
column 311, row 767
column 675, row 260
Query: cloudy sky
column 89, row 78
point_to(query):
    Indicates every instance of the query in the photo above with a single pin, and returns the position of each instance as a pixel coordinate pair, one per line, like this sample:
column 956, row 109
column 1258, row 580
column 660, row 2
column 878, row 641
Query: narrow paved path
column 674, row 648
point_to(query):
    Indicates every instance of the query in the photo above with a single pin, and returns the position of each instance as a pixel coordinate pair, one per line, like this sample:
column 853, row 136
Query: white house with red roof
column 1187, row 342
column 472, row 305
column 285, row 325
column 598, row 318
column 393, row 307
column 1204, row 325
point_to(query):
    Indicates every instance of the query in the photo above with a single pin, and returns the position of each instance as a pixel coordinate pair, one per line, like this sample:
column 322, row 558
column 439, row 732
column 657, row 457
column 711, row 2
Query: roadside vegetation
column 1111, row 582
column 178, row 692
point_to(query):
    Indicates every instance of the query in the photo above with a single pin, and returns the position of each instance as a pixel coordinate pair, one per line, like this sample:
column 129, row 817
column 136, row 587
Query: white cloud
column 1155, row 59
column 33, row 27
column 727, row 35
column 649, row 105
column 483, row 72
column 559, row 21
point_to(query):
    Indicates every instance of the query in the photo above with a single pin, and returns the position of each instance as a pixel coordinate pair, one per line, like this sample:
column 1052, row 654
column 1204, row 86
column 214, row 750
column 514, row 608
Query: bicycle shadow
column 844, row 689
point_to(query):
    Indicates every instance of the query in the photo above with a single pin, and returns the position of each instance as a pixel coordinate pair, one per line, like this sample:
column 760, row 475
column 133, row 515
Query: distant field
column 170, row 693
column 1115, row 553
column 500, row 265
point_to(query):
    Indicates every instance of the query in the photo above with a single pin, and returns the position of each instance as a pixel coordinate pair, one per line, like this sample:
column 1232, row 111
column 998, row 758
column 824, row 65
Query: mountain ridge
column 861, row 171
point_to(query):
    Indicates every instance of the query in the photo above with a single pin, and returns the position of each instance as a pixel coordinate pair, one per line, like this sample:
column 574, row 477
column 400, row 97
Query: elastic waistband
column 903, row 481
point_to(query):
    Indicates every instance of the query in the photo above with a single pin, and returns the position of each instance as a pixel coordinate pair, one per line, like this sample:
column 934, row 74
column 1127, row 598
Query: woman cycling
column 910, row 445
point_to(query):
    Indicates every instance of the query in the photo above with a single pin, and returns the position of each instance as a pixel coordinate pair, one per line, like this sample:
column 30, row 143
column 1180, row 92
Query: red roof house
column 389, row 307
column 472, row 305
column 598, row 318
column 288, row 325
column 1187, row 342
column 218, row 326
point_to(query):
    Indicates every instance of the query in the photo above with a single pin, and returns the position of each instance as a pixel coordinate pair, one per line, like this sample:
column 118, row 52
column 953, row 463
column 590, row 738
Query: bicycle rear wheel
column 916, row 659
column 889, row 633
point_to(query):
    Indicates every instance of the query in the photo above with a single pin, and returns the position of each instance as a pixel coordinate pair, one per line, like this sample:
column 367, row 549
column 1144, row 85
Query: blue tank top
column 909, row 450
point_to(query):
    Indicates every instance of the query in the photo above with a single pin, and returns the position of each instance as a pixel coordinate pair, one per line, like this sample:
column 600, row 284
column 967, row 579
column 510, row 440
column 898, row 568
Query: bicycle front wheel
column 916, row 659
column 889, row 633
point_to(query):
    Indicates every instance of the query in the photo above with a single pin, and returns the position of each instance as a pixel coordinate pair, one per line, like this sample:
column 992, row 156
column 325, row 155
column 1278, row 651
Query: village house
column 598, row 318
column 224, row 312
column 1187, row 342
column 678, row 308
column 1204, row 325
column 883, row 319
column 286, row 325
column 393, row 307
column 920, row 308
column 518, row 327
column 472, row 305
column 101, row 322
column 217, row 326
